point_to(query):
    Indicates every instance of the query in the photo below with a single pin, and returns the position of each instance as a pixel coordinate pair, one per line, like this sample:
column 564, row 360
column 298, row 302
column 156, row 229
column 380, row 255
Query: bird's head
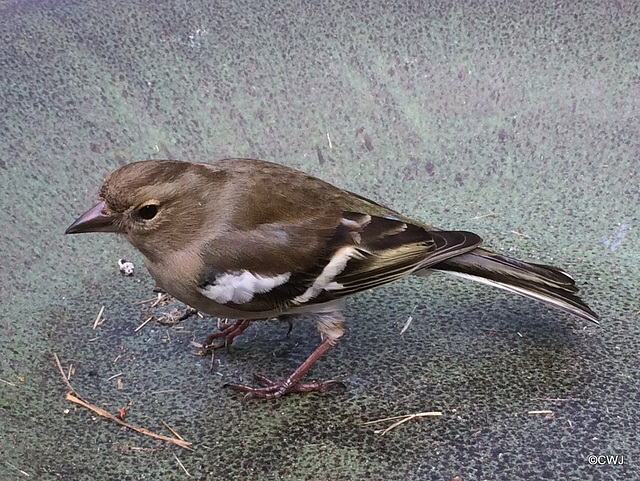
column 156, row 204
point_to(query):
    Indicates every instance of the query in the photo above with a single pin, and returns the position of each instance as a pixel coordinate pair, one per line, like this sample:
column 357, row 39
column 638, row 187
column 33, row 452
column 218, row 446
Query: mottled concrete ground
column 517, row 120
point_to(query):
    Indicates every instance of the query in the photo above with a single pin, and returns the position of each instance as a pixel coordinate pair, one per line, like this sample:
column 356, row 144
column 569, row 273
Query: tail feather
column 543, row 283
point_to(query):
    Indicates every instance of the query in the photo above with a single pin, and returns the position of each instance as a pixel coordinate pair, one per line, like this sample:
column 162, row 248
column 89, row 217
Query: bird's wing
column 288, row 266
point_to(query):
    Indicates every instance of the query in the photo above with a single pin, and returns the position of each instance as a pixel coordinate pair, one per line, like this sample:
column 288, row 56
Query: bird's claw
column 224, row 338
column 274, row 389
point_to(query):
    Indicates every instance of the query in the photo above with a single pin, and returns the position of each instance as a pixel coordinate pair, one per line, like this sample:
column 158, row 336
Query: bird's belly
column 189, row 293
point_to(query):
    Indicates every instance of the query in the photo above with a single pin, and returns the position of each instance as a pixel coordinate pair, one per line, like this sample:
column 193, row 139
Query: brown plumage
column 249, row 240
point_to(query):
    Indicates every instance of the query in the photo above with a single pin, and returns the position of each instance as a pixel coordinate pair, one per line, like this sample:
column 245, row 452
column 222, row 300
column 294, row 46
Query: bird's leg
column 331, row 327
column 275, row 389
column 227, row 334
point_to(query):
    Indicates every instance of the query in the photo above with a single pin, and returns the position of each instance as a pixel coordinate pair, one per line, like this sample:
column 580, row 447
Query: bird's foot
column 224, row 338
column 274, row 389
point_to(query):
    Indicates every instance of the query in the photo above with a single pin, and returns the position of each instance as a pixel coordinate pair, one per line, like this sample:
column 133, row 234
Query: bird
column 252, row 240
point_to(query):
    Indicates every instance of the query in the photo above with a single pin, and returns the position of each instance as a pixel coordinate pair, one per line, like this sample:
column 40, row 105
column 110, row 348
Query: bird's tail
column 546, row 284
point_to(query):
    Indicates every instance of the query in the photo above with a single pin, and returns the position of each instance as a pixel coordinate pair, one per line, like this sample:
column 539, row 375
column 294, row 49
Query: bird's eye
column 148, row 211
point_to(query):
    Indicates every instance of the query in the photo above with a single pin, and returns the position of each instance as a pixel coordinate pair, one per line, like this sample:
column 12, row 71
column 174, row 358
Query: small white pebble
column 126, row 267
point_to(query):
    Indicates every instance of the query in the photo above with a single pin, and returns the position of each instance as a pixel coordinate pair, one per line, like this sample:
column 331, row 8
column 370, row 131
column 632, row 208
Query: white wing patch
column 240, row 287
column 325, row 281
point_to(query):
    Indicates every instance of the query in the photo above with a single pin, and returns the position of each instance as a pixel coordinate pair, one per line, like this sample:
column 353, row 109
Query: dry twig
column 409, row 319
column 171, row 430
column 122, row 412
column 143, row 324
column 146, row 301
column 162, row 299
column 182, row 465
column 99, row 319
column 124, row 449
column 401, row 420
column 519, row 234
column 175, row 316
column 18, row 469
column 73, row 397
column 64, row 376
column 106, row 414
column 490, row 214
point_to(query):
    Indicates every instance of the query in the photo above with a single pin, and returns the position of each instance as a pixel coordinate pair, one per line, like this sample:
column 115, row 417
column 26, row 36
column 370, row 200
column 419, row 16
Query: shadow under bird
column 252, row 240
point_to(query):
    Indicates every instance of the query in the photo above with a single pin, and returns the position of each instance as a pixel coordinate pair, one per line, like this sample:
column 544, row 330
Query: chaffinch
column 252, row 240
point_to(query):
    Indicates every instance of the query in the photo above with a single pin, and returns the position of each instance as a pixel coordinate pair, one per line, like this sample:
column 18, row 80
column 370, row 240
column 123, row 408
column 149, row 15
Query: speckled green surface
column 501, row 117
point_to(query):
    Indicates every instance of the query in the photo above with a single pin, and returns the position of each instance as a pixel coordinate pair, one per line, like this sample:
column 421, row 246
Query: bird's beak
column 94, row 220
